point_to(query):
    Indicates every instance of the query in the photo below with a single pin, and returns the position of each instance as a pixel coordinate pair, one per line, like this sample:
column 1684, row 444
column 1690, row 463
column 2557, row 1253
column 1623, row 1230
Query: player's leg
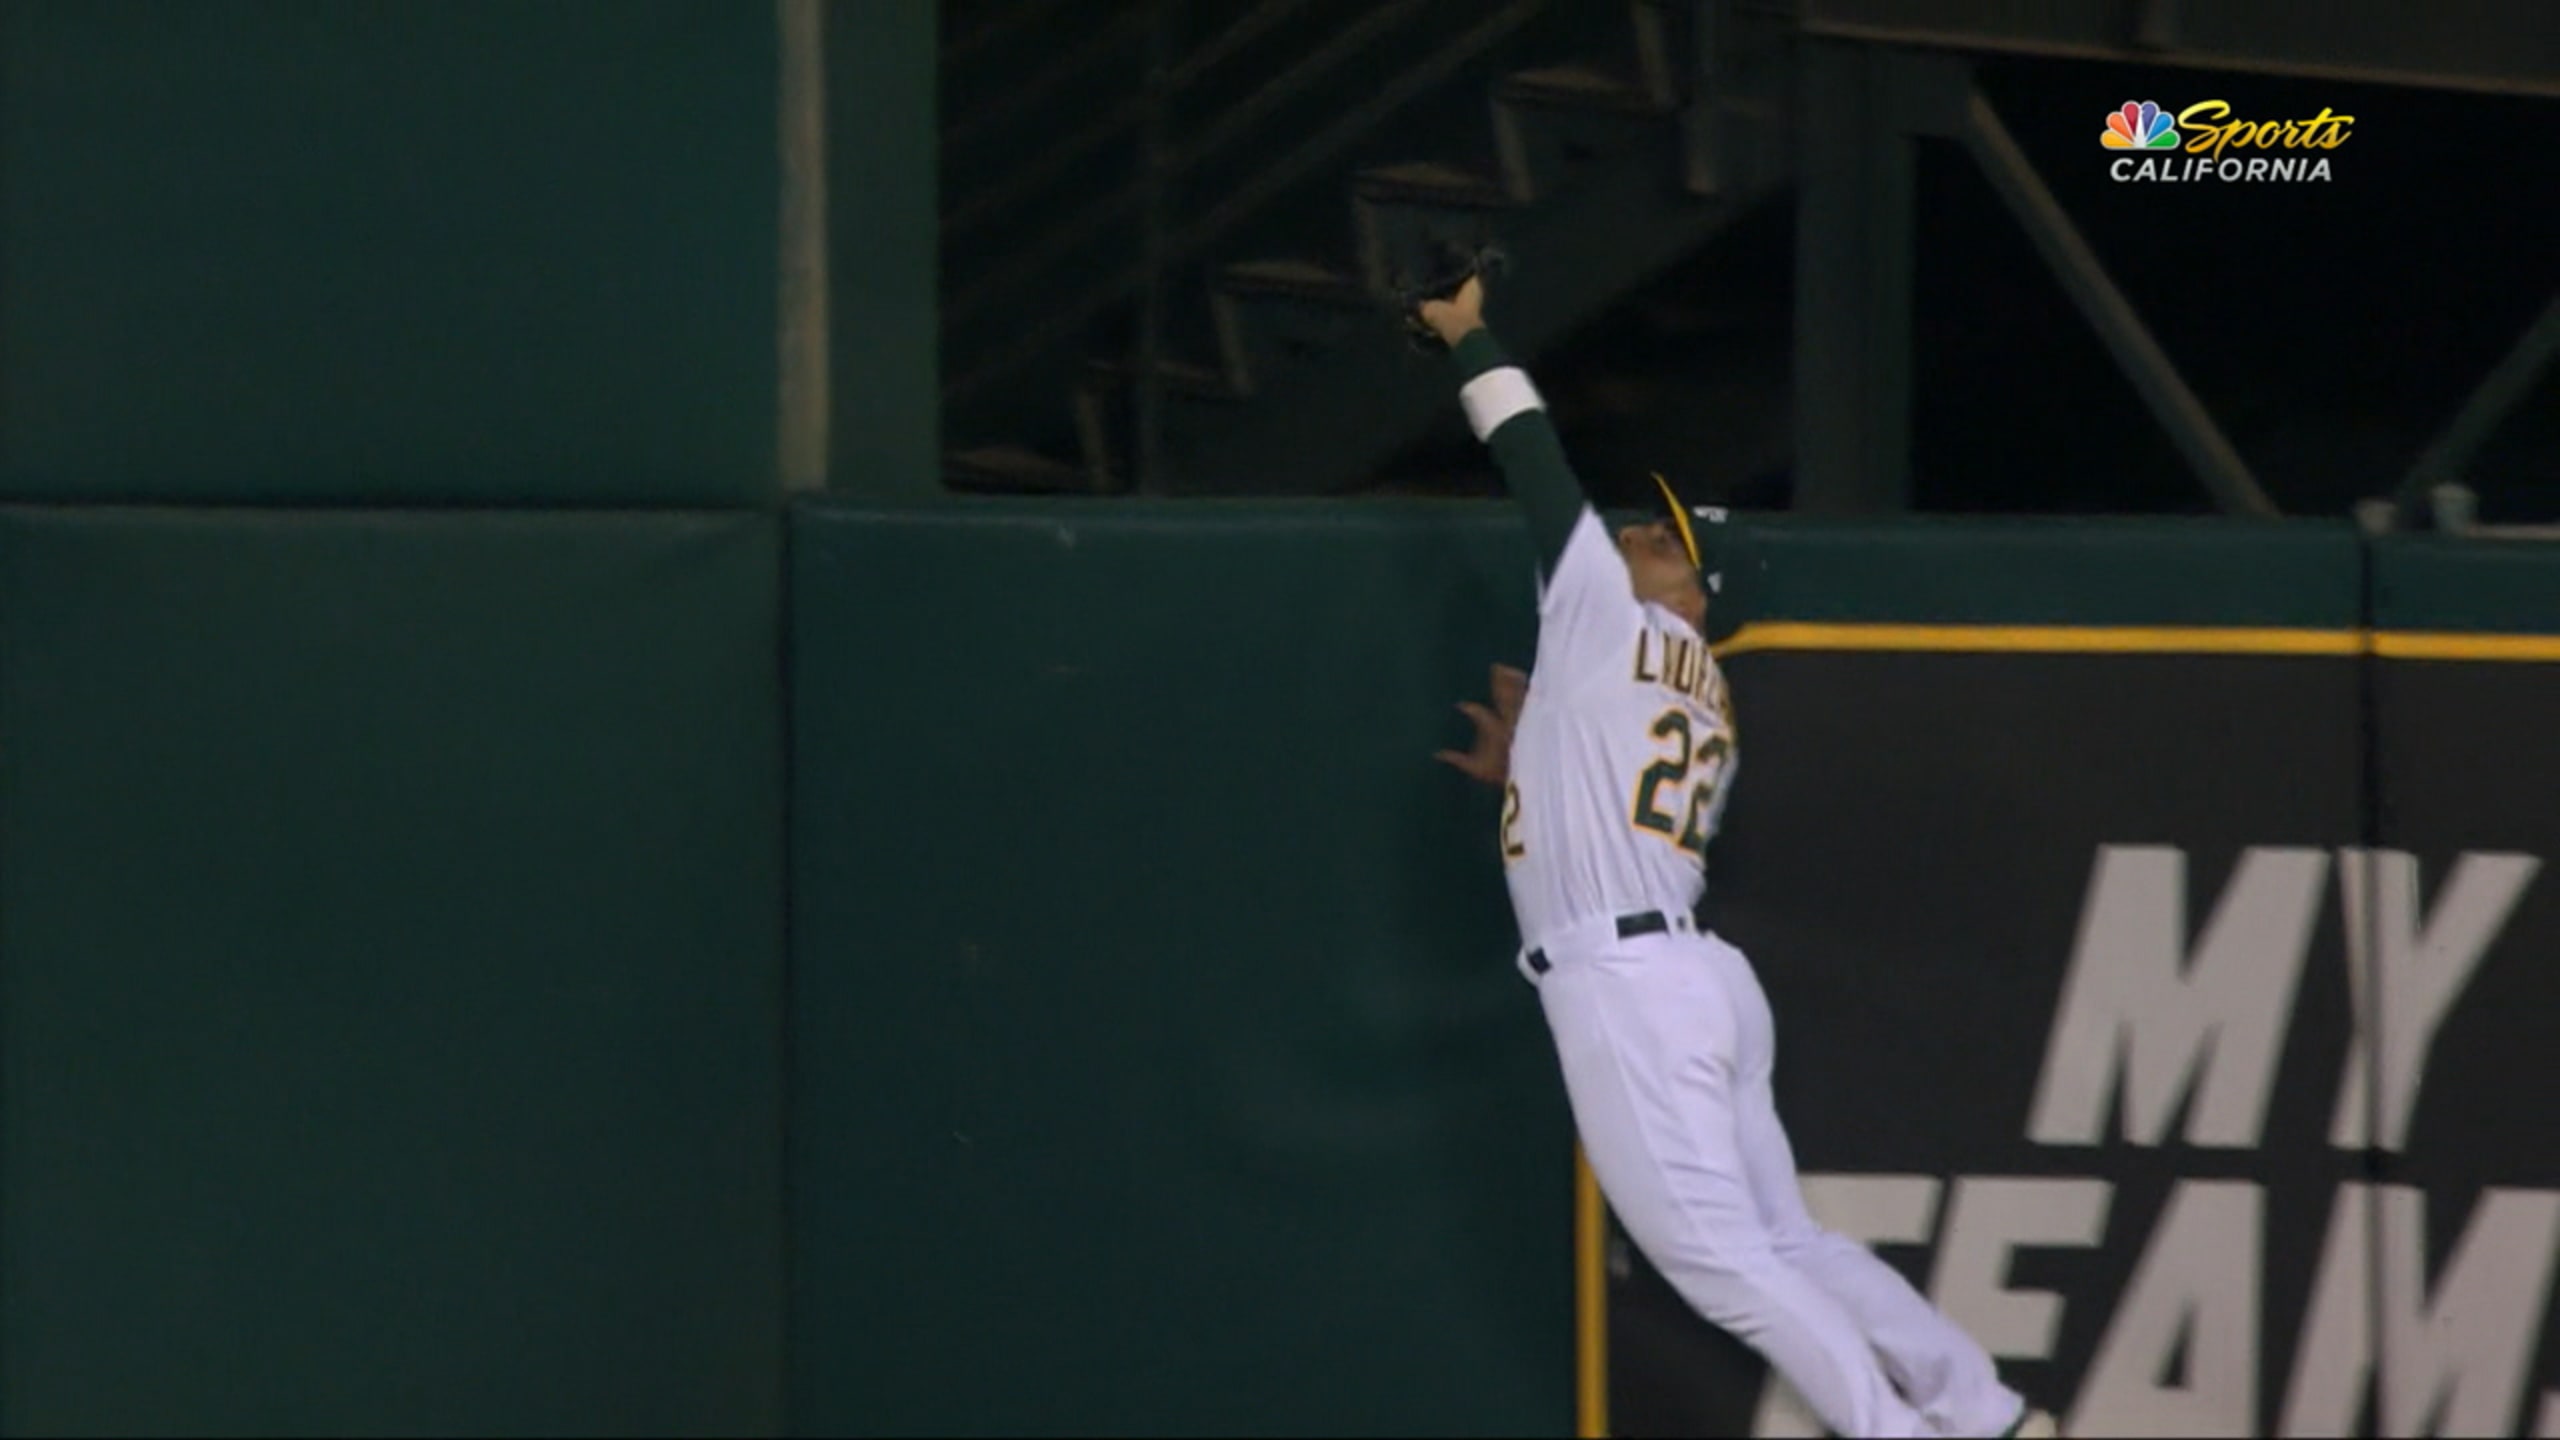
column 1939, row 1368
column 1934, row 1363
column 1645, row 1052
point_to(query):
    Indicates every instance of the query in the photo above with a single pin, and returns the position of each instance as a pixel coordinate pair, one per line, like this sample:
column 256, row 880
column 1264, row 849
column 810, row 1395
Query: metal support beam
column 883, row 238
column 2157, row 380
column 2155, row 24
column 1155, row 167
column 1853, row 288
column 2496, row 46
column 801, row 445
column 1700, row 92
column 2506, row 383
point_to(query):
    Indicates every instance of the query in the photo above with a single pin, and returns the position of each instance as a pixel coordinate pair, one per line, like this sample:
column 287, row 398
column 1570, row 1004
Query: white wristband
column 1496, row 396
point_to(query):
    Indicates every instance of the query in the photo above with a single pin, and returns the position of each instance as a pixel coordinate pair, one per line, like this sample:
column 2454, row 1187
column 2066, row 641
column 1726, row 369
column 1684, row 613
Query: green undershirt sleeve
column 1497, row 394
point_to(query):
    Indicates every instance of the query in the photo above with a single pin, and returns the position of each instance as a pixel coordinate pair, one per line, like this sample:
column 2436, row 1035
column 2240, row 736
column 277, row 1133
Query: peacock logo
column 2139, row 126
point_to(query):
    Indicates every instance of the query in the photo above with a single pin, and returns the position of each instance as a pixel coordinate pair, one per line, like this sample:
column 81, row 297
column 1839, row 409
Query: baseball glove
column 1436, row 273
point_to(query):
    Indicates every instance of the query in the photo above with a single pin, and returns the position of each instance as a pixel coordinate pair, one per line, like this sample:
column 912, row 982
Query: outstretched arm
column 1508, row 415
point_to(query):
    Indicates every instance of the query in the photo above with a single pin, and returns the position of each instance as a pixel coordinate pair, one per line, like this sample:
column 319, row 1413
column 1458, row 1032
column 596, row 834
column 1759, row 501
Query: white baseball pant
column 1666, row 1044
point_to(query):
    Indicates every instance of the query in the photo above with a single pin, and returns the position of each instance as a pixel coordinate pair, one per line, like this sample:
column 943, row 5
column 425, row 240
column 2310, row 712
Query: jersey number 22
column 1706, row 757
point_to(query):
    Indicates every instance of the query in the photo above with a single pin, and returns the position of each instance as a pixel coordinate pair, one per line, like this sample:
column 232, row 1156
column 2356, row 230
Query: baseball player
column 1616, row 776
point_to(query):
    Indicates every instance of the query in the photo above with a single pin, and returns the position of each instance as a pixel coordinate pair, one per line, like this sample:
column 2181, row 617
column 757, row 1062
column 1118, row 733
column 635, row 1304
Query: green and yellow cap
column 1699, row 528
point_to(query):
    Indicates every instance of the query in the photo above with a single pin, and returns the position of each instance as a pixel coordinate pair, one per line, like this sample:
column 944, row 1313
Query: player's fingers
column 1467, row 765
column 1485, row 718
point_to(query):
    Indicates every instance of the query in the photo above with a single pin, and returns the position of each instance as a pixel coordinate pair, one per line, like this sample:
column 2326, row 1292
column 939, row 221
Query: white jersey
column 1623, row 755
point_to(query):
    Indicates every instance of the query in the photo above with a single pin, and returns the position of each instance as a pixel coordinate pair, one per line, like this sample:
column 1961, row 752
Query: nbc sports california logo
column 2206, row 141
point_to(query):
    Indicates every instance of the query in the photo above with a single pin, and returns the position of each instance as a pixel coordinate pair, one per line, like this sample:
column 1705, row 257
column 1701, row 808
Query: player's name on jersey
column 1677, row 663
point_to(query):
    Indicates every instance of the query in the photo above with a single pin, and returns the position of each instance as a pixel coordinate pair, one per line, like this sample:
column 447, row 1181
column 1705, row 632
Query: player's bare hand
column 1510, row 692
column 1489, row 758
column 1457, row 317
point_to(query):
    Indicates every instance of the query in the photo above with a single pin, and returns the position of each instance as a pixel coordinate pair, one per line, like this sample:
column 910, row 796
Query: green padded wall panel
column 390, row 974
column 2045, row 572
column 409, row 250
column 1160, row 1066
column 2431, row 582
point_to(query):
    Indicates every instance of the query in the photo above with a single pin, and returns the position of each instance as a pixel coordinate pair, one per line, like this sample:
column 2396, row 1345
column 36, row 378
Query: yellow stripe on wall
column 2424, row 645
column 2138, row 640
column 2045, row 639
column 1590, row 1303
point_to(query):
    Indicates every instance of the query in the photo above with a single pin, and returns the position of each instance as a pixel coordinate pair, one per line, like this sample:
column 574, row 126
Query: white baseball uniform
column 1620, row 766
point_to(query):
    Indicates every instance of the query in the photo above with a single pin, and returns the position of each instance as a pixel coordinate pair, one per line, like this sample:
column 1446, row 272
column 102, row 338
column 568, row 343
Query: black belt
column 1642, row 922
